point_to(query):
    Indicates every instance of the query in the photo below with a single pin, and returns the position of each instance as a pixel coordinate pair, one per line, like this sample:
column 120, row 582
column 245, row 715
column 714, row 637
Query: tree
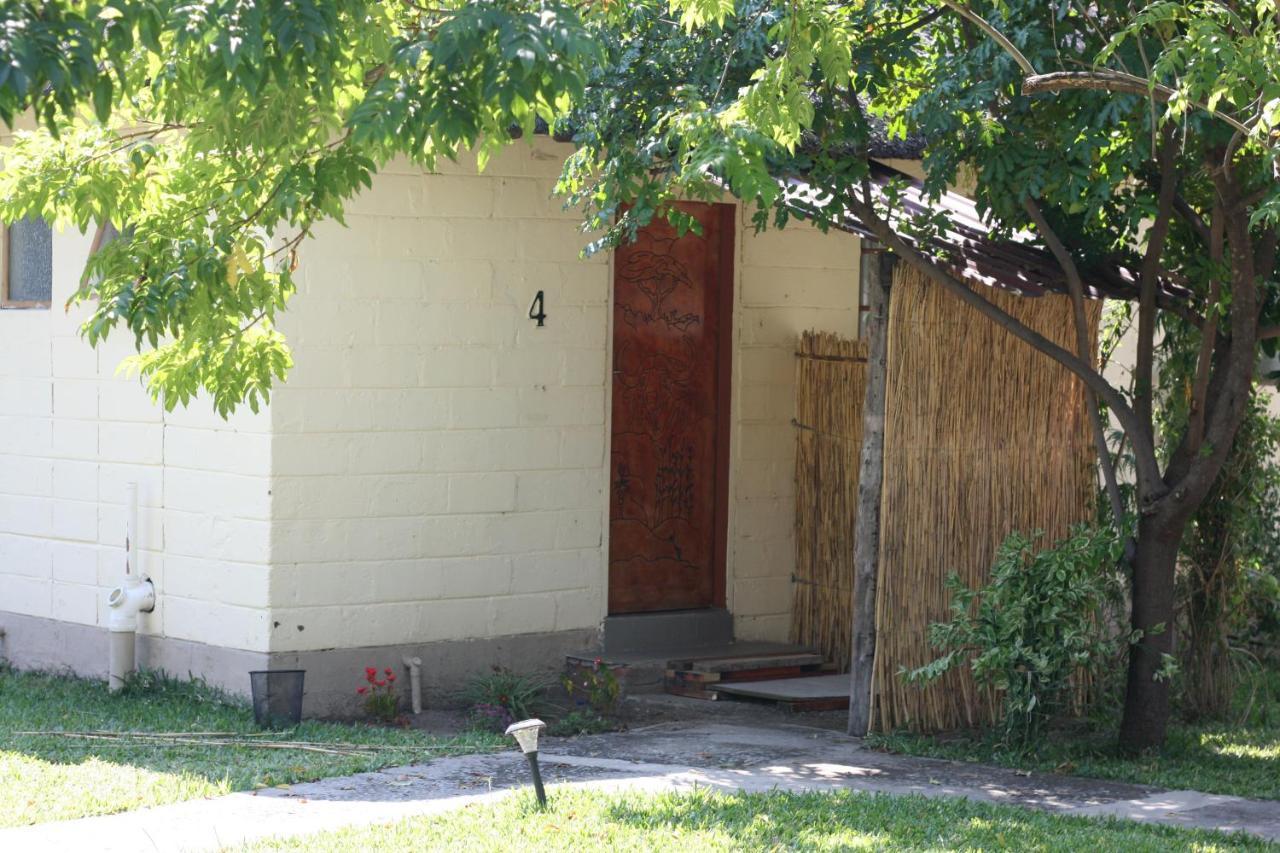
column 1139, row 147
column 216, row 133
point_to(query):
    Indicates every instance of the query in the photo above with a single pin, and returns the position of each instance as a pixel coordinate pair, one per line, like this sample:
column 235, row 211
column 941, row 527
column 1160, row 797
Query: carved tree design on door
column 665, row 382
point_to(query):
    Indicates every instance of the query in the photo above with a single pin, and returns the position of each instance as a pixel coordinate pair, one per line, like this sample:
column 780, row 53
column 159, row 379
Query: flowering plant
column 379, row 694
column 595, row 686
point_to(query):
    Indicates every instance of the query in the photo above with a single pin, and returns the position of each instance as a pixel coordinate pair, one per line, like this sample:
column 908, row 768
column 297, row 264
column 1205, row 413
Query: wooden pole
column 876, row 272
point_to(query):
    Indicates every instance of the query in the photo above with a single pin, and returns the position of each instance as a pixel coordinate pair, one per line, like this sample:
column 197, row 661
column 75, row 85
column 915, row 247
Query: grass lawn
column 1218, row 758
column 706, row 820
column 47, row 777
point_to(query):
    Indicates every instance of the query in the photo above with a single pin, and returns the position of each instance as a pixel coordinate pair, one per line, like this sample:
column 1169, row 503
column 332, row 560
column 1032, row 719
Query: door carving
column 669, row 436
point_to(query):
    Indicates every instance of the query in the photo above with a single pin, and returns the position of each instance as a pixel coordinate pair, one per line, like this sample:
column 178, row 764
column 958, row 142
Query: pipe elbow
column 127, row 601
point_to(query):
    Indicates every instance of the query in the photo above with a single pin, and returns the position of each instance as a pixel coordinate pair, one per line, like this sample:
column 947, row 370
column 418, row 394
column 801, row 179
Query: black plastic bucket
column 277, row 697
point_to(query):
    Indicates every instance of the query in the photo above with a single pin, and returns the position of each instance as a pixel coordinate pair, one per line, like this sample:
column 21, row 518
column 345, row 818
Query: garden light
column 526, row 734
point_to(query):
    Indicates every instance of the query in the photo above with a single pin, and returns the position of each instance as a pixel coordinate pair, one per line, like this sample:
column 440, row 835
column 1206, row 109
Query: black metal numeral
column 537, row 311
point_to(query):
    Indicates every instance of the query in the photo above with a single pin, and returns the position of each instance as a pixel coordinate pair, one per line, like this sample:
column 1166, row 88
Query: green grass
column 707, row 820
column 1218, row 758
column 48, row 777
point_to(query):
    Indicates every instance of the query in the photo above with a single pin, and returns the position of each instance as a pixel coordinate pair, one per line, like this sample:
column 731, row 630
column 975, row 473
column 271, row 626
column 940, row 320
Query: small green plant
column 148, row 685
column 580, row 722
column 380, row 700
column 1038, row 625
column 595, row 686
column 500, row 697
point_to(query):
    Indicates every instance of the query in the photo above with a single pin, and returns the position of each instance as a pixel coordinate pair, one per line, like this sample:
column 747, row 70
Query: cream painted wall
column 439, row 460
column 436, row 466
column 440, row 464
column 788, row 281
column 72, row 435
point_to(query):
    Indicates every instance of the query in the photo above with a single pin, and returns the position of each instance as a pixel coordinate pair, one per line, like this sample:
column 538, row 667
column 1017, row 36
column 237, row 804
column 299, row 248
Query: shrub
column 497, row 698
column 595, row 686
column 1037, row 626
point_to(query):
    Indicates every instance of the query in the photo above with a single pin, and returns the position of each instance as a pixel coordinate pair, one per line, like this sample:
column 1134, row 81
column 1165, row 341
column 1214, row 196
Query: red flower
column 380, row 683
column 387, row 670
column 390, row 676
column 370, row 671
column 362, row 690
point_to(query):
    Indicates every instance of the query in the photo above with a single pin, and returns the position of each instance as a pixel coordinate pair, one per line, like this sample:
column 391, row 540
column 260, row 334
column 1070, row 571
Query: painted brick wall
column 788, row 281
column 439, row 461
column 435, row 468
column 72, row 435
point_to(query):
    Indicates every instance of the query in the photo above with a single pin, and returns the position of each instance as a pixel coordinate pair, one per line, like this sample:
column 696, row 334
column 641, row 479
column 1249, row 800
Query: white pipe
column 135, row 595
column 415, row 681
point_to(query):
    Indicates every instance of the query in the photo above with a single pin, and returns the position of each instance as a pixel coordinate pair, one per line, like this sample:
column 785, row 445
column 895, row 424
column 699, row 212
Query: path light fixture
column 526, row 734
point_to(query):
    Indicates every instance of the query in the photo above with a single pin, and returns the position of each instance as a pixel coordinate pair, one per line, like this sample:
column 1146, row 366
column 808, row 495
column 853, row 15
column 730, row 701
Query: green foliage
column 219, row 132
column 1237, row 758
column 1035, row 628
column 497, row 698
column 595, row 686
column 216, row 133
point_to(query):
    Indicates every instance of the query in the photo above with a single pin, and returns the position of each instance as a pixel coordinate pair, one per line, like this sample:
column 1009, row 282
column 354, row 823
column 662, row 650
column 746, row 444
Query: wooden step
column 699, row 677
column 828, row 692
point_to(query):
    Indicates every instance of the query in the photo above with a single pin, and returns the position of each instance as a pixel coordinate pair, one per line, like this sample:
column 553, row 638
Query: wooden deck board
column 791, row 689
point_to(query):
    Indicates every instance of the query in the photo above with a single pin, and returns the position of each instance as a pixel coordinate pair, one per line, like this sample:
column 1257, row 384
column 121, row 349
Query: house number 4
column 537, row 311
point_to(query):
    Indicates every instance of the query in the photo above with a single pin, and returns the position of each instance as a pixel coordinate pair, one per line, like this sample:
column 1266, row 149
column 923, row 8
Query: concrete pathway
column 661, row 757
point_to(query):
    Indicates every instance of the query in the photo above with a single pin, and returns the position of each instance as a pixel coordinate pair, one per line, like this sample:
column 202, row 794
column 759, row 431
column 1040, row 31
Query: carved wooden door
column 669, row 453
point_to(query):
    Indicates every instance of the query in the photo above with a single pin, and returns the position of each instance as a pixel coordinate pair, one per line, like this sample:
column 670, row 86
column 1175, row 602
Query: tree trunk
column 1146, row 701
column 877, row 273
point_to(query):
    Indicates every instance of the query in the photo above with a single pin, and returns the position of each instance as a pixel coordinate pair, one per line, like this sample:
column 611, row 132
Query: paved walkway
column 664, row 756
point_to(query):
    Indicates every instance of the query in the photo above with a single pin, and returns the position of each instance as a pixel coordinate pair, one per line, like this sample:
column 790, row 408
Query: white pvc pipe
column 135, row 595
column 415, row 682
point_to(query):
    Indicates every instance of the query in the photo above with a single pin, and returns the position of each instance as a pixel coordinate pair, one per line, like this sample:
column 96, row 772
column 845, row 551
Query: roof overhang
column 967, row 244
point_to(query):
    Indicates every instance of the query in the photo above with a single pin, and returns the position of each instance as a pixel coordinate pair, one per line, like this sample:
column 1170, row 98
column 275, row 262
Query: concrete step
column 658, row 634
column 812, row 693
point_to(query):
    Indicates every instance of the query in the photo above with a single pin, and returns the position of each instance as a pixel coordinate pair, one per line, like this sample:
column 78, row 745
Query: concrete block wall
column 435, row 468
column 73, row 433
column 788, row 281
column 439, row 460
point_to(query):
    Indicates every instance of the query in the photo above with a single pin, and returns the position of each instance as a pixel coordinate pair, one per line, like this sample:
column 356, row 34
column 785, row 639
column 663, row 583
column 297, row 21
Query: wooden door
column 670, row 448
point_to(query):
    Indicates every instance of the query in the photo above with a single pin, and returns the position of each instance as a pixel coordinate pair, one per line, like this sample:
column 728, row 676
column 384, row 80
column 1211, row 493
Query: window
column 26, row 268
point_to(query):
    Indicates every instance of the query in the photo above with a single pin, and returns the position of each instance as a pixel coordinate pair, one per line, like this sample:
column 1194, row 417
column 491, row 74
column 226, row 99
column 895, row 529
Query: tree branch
column 1208, row 340
column 1118, row 82
column 1144, row 450
column 1194, row 219
column 995, row 35
column 1149, row 277
column 1191, row 475
column 1075, row 284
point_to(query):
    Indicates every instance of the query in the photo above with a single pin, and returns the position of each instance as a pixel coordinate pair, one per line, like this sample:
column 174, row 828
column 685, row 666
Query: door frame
column 725, row 345
column 724, row 400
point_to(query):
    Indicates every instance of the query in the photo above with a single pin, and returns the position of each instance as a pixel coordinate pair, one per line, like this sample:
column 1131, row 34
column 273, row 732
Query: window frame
column 7, row 304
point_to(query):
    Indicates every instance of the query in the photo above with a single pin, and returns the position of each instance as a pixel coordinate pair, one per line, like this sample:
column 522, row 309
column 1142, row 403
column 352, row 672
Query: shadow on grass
column 1216, row 758
column 844, row 820
column 39, row 712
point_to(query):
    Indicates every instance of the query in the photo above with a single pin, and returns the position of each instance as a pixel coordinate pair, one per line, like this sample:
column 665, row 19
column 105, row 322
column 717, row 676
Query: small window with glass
column 26, row 264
